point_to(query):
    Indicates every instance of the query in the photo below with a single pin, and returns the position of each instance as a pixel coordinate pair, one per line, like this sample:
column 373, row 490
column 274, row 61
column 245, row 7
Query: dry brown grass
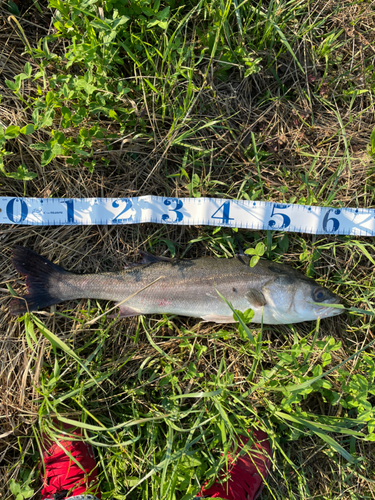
column 292, row 147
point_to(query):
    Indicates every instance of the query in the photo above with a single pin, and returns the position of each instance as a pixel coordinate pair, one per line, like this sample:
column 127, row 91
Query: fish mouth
column 325, row 311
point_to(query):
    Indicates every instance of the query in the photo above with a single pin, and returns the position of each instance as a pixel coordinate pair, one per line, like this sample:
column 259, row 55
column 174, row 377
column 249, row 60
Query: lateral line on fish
column 199, row 280
column 120, row 303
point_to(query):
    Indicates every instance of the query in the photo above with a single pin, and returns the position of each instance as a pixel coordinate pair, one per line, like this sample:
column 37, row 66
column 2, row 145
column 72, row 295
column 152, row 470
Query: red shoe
column 247, row 472
column 63, row 478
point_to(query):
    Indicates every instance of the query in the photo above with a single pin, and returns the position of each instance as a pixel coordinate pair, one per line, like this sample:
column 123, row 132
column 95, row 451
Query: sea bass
column 158, row 285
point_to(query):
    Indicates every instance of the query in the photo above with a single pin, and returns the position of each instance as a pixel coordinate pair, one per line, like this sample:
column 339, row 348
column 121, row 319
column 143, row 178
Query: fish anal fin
column 149, row 258
column 125, row 312
column 218, row 318
column 255, row 298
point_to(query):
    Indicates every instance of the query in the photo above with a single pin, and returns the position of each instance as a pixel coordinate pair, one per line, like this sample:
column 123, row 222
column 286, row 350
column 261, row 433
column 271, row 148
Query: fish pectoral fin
column 255, row 298
column 218, row 318
column 125, row 312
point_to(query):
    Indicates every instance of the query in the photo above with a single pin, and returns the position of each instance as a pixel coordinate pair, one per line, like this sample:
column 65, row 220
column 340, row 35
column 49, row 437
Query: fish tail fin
column 42, row 277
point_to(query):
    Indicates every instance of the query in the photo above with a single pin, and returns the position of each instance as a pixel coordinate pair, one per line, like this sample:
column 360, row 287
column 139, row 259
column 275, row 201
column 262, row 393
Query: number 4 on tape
column 224, row 209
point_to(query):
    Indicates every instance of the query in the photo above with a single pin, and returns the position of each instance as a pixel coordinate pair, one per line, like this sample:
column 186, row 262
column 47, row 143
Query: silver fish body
column 275, row 292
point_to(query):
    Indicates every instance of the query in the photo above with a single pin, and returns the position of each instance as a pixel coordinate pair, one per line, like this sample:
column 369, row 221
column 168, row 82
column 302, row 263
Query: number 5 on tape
column 285, row 218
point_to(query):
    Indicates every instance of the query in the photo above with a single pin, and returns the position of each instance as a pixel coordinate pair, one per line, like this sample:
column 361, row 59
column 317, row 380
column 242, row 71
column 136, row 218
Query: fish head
column 292, row 298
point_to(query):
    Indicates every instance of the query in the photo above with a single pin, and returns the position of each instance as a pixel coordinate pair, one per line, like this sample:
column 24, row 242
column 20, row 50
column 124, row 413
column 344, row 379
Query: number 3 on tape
column 179, row 215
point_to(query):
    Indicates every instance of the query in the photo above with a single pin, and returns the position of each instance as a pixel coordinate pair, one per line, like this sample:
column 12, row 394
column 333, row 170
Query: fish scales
column 275, row 292
column 186, row 287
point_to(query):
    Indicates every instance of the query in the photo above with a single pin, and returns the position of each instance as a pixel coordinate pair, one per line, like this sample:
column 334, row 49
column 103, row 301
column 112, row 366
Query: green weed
column 268, row 100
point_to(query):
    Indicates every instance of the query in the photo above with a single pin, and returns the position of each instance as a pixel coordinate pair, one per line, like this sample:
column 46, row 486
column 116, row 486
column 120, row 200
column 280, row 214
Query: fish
column 277, row 293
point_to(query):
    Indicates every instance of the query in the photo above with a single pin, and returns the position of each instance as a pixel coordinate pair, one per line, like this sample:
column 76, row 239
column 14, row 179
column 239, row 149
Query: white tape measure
column 257, row 215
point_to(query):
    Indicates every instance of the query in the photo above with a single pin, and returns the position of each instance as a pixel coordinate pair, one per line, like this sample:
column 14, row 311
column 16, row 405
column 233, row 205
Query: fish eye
column 319, row 294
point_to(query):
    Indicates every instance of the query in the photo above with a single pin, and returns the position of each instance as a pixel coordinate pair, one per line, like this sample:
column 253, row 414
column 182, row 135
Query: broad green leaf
column 254, row 260
column 11, row 132
column 66, row 113
column 28, row 69
column 260, row 249
column 239, row 319
column 49, row 98
column 46, row 120
column 161, row 19
column 57, row 149
column 15, row 488
column 120, row 21
column 326, row 358
column 28, row 129
column 250, row 251
column 22, row 174
column 81, row 84
column 47, row 157
column 60, row 6
column 371, row 426
column 13, row 8
column 27, row 492
column 12, row 85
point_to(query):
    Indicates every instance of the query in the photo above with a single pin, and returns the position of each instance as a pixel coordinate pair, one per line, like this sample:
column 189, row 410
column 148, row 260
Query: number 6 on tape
column 335, row 222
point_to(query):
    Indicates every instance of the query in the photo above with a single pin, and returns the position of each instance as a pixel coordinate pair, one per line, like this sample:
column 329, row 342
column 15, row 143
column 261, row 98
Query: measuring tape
column 257, row 215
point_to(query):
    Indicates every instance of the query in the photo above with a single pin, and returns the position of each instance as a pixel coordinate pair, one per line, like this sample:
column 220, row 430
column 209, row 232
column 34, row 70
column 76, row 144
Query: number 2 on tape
column 128, row 205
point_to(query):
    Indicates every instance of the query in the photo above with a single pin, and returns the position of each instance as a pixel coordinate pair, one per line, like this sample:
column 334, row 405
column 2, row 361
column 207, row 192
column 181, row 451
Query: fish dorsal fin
column 149, row 258
column 255, row 298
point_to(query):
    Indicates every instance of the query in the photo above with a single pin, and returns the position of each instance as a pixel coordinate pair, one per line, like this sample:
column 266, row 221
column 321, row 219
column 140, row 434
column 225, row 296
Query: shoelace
column 60, row 495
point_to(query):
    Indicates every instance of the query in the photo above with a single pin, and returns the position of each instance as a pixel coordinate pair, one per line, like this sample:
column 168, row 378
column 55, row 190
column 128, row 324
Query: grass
column 268, row 100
